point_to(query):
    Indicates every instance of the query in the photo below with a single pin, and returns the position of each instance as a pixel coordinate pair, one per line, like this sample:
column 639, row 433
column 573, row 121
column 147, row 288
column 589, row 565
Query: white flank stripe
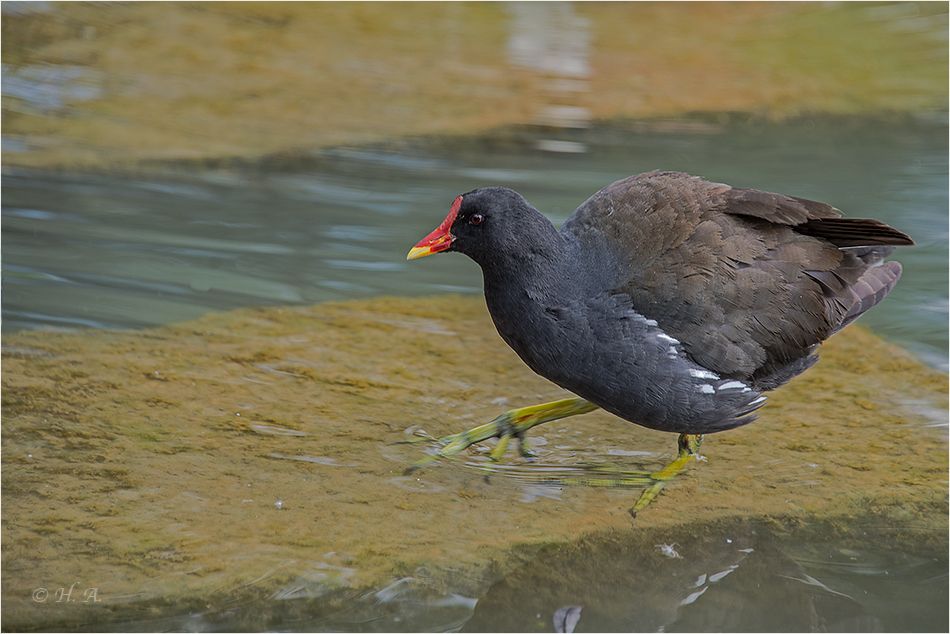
column 733, row 385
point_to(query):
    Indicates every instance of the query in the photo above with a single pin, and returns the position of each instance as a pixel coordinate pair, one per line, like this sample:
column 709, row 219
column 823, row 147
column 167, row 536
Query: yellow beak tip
column 418, row 252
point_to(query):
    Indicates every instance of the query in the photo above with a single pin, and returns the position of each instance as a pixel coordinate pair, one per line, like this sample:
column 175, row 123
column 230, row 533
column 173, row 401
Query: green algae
column 245, row 451
column 181, row 81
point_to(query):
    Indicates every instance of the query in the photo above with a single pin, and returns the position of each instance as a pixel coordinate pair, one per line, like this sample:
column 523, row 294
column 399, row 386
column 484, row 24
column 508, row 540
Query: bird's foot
column 512, row 424
column 688, row 446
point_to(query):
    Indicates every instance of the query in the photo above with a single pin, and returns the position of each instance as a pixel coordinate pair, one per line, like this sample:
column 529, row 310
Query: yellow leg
column 688, row 446
column 513, row 423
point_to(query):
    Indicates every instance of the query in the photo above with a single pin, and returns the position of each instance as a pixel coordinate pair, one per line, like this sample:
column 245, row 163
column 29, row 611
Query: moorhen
column 667, row 300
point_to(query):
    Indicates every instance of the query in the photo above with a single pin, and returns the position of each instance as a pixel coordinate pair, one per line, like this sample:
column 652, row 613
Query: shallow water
column 100, row 251
column 811, row 578
column 241, row 472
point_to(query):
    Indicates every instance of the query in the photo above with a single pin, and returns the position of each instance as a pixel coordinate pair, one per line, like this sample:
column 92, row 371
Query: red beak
column 438, row 240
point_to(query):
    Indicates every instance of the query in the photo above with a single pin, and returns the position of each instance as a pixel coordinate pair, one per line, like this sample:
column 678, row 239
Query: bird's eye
column 476, row 219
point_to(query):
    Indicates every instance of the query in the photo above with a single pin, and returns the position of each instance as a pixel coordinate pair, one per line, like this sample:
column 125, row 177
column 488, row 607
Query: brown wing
column 749, row 282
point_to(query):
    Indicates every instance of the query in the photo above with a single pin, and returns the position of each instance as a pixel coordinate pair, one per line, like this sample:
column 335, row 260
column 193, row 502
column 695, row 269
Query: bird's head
column 484, row 224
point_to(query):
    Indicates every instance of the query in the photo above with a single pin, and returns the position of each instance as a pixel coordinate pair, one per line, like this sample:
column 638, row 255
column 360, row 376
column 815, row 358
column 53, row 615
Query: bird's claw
column 456, row 443
column 688, row 445
column 513, row 423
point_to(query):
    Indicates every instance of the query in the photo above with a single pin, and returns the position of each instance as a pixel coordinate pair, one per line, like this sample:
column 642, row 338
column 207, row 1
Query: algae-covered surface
column 114, row 85
column 257, row 454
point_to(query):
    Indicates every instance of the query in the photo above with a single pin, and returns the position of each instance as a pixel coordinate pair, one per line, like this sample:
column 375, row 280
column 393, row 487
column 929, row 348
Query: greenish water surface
column 101, row 251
